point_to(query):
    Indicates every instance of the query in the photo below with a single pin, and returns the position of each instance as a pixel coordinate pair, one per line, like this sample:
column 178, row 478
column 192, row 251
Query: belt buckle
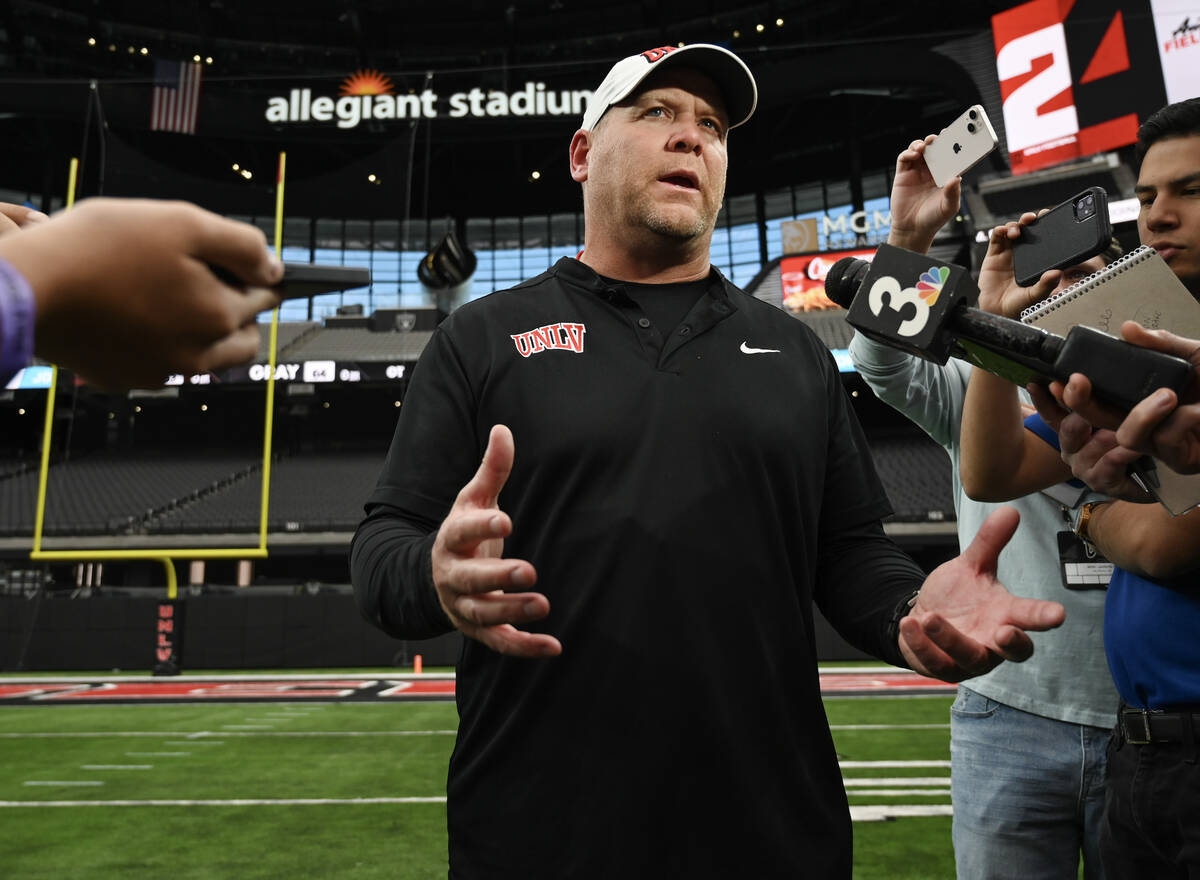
column 1129, row 734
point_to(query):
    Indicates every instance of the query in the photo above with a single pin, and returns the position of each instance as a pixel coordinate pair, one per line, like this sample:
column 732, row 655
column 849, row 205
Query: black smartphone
column 1067, row 234
column 302, row 280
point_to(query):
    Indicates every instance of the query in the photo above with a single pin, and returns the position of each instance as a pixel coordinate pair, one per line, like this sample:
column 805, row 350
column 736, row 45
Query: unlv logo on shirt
column 561, row 336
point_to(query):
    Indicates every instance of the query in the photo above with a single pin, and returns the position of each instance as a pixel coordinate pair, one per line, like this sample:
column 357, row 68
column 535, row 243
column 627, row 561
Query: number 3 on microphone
column 897, row 299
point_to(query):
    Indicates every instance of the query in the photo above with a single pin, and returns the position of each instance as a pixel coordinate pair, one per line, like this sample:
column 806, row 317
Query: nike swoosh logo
column 748, row 350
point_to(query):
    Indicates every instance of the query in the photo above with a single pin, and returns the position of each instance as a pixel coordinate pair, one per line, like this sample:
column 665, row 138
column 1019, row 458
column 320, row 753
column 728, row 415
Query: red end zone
column 284, row 689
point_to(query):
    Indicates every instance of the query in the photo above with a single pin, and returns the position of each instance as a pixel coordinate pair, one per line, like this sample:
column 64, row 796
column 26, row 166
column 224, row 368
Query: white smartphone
column 960, row 145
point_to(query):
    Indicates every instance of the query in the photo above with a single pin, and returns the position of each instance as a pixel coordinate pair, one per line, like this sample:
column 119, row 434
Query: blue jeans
column 1028, row 792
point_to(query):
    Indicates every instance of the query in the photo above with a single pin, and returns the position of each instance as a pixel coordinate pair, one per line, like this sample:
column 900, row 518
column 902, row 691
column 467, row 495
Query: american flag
column 176, row 96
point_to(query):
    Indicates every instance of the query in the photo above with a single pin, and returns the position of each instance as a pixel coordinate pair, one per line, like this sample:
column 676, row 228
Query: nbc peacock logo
column 367, row 82
column 931, row 283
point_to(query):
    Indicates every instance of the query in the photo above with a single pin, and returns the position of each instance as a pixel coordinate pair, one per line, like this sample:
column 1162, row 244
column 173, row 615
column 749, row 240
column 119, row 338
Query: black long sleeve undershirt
column 391, row 565
column 864, row 582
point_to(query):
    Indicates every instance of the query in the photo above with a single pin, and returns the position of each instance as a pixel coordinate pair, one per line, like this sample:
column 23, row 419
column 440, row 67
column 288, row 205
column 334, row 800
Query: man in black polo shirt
column 677, row 468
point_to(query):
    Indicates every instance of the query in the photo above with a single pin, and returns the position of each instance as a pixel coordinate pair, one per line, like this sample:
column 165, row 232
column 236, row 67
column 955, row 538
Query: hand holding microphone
column 925, row 307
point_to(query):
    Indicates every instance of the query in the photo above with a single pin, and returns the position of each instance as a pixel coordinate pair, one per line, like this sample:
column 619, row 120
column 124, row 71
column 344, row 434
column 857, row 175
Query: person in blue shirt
column 1151, row 825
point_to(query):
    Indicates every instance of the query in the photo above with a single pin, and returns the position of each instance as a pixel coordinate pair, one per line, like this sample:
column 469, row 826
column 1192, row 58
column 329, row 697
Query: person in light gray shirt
column 1027, row 740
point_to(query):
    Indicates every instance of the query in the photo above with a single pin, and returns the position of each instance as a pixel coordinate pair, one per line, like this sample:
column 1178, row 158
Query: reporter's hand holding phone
column 919, row 207
column 999, row 291
column 124, row 294
column 1065, row 235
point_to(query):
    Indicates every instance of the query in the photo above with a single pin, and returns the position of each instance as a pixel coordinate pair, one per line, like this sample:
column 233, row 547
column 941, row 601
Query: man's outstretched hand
column 470, row 572
column 965, row 622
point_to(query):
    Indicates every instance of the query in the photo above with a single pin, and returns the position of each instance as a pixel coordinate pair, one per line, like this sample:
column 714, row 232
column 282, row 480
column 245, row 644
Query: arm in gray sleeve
column 930, row 395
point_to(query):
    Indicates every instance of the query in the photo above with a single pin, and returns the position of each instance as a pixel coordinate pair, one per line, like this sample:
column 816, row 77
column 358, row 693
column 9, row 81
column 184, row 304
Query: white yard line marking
column 869, row 813
column 62, row 782
column 902, row 792
column 233, row 802
column 246, row 726
column 881, row 813
column 91, row 733
column 116, row 766
column 945, row 726
column 858, row 765
column 201, row 739
column 157, row 754
column 871, row 781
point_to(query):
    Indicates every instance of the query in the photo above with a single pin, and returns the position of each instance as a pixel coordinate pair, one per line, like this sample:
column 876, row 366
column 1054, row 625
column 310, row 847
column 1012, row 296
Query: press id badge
column 1082, row 565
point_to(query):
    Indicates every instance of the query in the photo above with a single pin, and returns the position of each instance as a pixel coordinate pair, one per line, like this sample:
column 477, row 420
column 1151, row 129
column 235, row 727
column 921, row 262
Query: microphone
column 925, row 307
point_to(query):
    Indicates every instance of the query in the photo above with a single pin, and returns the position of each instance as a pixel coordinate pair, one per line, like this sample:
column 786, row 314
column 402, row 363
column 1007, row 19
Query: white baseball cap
column 729, row 72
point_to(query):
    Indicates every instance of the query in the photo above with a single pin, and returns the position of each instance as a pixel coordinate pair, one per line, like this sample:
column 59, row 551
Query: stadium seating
column 830, row 327
column 111, row 493
column 358, row 344
column 309, row 493
column 915, row 472
column 287, row 334
column 106, row 494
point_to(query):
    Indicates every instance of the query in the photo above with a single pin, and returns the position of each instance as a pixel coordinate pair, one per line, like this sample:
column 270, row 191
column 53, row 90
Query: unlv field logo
column 553, row 337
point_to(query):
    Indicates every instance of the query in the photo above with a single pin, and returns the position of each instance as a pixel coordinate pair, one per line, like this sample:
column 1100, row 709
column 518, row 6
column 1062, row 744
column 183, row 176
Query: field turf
column 353, row 790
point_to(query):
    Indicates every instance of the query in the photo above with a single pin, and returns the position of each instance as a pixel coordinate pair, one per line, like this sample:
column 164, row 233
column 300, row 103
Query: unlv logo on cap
column 658, row 54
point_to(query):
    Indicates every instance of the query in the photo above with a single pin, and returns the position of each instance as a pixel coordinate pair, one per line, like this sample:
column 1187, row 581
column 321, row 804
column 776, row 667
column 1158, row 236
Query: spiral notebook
column 1140, row 287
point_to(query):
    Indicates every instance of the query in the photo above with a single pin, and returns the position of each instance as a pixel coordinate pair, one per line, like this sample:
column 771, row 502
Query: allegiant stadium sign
column 370, row 95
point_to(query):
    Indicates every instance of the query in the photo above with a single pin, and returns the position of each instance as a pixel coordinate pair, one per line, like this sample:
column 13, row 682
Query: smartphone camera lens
column 973, row 115
column 971, row 127
column 1085, row 207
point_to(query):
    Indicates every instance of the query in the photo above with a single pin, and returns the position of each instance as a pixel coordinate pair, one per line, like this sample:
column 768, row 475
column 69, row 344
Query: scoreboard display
column 1078, row 77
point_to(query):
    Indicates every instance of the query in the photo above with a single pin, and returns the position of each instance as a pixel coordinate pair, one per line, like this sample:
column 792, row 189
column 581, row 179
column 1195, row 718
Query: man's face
column 1168, row 189
column 657, row 160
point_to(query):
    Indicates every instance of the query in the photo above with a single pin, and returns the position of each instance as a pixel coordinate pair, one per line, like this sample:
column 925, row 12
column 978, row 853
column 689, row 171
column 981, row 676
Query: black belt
column 1142, row 727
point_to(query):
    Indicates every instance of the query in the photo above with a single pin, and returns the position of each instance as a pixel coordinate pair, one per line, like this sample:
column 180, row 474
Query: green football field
column 356, row 790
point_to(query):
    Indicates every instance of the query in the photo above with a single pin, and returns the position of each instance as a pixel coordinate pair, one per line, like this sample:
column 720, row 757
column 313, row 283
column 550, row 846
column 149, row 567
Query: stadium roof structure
column 841, row 85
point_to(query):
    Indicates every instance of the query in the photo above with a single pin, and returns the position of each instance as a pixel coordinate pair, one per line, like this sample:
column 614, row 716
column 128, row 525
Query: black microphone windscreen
column 844, row 278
